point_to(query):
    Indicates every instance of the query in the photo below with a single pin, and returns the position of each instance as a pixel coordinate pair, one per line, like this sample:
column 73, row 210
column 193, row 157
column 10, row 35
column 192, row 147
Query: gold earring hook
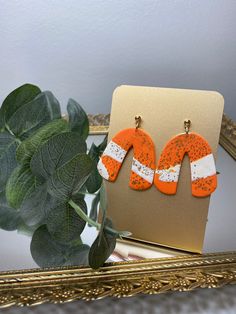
column 137, row 121
column 187, row 124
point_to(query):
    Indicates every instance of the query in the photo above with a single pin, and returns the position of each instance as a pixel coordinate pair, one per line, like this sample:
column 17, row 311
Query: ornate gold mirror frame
column 150, row 276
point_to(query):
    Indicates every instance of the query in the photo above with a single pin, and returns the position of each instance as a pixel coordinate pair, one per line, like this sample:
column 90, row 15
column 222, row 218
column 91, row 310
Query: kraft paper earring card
column 177, row 219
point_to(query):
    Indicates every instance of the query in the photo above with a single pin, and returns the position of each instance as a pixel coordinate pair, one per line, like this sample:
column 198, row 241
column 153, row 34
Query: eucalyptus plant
column 45, row 173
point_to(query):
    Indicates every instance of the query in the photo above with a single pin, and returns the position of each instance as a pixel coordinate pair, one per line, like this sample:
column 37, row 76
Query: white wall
column 84, row 49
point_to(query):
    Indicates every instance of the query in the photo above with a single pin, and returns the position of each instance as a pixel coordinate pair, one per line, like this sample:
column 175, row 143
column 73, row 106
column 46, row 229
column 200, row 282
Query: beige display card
column 179, row 220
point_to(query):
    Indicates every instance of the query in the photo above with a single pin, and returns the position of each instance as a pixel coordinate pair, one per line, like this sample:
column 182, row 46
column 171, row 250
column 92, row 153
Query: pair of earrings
column 165, row 175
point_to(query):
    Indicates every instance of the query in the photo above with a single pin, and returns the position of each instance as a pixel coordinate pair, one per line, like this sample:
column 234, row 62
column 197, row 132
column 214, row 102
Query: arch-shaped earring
column 143, row 164
column 202, row 164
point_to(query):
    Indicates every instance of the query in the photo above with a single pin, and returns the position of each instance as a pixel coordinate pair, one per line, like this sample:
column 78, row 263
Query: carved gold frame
column 150, row 276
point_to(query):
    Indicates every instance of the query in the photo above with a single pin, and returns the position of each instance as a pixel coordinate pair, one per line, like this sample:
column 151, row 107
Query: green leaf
column 103, row 198
column 33, row 115
column 77, row 256
column 69, row 178
column 36, row 206
column 103, row 207
column 56, row 152
column 102, row 247
column 78, row 241
column 94, row 208
column 20, row 184
column 95, row 180
column 94, row 152
column 8, row 145
column 29, row 146
column 9, row 217
column 102, row 145
column 78, row 119
column 64, row 224
column 46, row 252
column 26, row 230
column 17, row 99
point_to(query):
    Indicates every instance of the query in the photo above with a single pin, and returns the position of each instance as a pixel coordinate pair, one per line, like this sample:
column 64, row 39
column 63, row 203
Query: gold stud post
column 137, row 121
column 187, row 124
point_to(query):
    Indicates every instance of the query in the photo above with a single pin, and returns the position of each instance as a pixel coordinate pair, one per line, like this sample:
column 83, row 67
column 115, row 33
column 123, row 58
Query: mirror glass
column 220, row 230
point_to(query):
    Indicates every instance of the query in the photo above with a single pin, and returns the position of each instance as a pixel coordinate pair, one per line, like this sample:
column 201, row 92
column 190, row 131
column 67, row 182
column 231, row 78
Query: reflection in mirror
column 220, row 231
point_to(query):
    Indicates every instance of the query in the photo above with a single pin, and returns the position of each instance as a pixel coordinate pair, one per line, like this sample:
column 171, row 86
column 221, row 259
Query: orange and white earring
column 203, row 170
column 143, row 164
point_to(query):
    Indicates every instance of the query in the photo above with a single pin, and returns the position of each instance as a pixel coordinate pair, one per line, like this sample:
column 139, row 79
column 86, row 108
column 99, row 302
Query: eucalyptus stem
column 87, row 193
column 82, row 215
column 90, row 221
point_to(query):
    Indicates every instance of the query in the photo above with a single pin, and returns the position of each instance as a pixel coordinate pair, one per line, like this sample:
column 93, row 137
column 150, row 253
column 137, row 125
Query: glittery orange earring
column 143, row 164
column 203, row 171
